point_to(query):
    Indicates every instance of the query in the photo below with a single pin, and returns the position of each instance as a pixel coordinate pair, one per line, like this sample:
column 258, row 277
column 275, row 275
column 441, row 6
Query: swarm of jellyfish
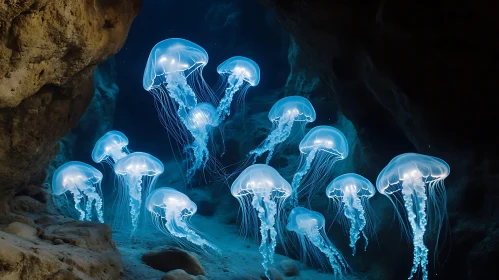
column 111, row 147
column 171, row 211
column 261, row 190
column 351, row 192
column 418, row 181
column 241, row 73
column 309, row 227
column 285, row 113
column 320, row 149
column 84, row 183
column 137, row 173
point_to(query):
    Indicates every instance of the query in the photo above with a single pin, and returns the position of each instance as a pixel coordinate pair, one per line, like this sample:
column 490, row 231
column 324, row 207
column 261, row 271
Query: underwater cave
column 233, row 140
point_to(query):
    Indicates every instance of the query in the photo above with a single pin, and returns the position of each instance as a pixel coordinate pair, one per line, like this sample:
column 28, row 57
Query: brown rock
column 179, row 274
column 171, row 259
column 289, row 268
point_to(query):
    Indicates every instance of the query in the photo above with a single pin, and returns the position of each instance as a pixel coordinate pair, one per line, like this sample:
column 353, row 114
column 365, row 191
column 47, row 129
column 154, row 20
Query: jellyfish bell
column 111, row 146
column 137, row 173
column 262, row 188
column 418, row 181
column 321, row 147
column 309, row 227
column 202, row 116
column 284, row 115
column 351, row 193
column 240, row 73
column 83, row 181
column 171, row 56
column 171, row 211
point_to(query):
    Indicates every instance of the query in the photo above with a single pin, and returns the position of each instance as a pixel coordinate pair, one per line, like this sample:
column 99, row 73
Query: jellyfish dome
column 171, row 211
column 84, row 183
column 202, row 116
column 322, row 147
column 170, row 56
column 261, row 191
column 351, row 193
column 418, row 181
column 283, row 115
column 112, row 145
column 309, row 227
column 137, row 173
column 241, row 73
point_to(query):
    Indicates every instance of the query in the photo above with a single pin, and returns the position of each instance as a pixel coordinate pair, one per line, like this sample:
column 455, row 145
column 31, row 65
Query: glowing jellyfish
column 352, row 192
column 283, row 115
column 111, row 147
column 417, row 179
column 171, row 211
column 201, row 119
column 170, row 63
column 309, row 226
column 84, row 183
column 137, row 173
column 263, row 188
column 323, row 145
column 241, row 73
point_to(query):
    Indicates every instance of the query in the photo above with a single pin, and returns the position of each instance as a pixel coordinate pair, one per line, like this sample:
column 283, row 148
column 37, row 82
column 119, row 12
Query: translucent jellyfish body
column 241, row 73
column 285, row 113
column 351, row 192
column 84, row 183
column 320, row 149
column 201, row 119
column 262, row 188
column 111, row 147
column 137, row 173
column 309, row 226
column 171, row 211
column 418, row 181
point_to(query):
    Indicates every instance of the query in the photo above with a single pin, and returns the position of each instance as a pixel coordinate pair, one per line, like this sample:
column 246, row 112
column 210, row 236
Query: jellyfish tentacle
column 92, row 194
column 355, row 214
column 266, row 209
column 414, row 194
column 77, row 196
column 200, row 152
column 335, row 258
column 180, row 91
column 235, row 82
column 88, row 208
column 135, row 199
column 299, row 175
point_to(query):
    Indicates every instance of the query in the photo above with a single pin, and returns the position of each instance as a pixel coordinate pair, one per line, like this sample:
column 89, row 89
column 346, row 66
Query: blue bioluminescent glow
column 84, row 183
column 352, row 192
column 262, row 188
column 137, row 173
column 171, row 211
column 241, row 73
column 111, row 147
column 417, row 179
column 283, row 115
column 323, row 145
column 200, row 120
column 309, row 226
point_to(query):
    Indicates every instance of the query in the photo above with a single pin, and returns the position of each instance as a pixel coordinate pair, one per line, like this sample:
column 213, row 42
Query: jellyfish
column 241, row 73
column 170, row 63
column 171, row 211
column 111, row 147
column 309, row 227
column 200, row 120
column 84, row 183
column 283, row 115
column 325, row 145
column 418, row 181
column 137, row 173
column 263, row 188
column 352, row 192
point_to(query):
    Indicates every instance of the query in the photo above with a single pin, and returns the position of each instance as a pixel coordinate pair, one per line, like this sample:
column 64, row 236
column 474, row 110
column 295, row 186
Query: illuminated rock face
column 48, row 52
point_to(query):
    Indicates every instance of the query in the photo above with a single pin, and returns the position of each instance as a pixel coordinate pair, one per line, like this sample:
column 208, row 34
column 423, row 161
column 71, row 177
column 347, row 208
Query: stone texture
column 20, row 229
column 413, row 78
column 171, row 259
column 179, row 274
column 48, row 52
column 289, row 268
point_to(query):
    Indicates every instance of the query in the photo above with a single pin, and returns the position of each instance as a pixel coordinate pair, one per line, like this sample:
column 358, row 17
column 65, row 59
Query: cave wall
column 417, row 77
column 48, row 52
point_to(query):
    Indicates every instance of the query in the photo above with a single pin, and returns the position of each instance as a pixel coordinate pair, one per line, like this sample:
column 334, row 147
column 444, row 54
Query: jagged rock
column 274, row 275
column 289, row 268
column 27, row 204
column 179, row 274
column 20, row 229
column 171, row 259
column 48, row 52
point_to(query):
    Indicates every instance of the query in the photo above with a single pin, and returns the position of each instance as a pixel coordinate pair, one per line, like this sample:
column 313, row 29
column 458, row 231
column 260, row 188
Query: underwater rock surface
column 48, row 52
